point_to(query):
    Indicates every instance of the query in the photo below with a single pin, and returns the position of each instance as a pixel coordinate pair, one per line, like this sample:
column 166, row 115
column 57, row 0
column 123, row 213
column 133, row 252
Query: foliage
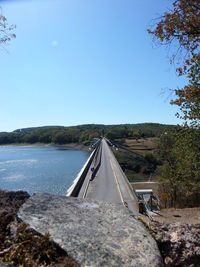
column 181, row 27
column 152, row 160
column 81, row 133
column 22, row 246
column 134, row 177
column 188, row 98
column 138, row 164
column 32, row 249
column 6, row 30
column 180, row 151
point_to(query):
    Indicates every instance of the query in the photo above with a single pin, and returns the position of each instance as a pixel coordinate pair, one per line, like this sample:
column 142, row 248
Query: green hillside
column 82, row 133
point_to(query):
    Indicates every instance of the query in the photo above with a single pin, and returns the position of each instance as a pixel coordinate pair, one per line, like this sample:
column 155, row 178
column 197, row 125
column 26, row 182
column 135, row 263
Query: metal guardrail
column 80, row 185
column 122, row 172
column 78, row 181
column 97, row 163
column 131, row 189
column 96, row 166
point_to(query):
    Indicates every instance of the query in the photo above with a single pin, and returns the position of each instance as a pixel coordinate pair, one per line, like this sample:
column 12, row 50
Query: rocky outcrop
column 20, row 245
column 10, row 201
column 179, row 243
column 6, row 264
column 91, row 232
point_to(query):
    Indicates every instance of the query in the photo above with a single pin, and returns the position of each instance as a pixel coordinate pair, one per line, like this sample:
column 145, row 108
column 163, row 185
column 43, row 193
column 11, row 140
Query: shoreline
column 69, row 145
column 74, row 146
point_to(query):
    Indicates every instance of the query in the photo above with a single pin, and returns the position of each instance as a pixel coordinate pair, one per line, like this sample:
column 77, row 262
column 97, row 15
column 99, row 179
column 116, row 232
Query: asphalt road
column 110, row 184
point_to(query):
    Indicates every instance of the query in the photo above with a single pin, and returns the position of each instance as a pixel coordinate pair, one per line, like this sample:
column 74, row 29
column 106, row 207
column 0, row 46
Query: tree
column 6, row 30
column 180, row 149
column 180, row 28
column 61, row 137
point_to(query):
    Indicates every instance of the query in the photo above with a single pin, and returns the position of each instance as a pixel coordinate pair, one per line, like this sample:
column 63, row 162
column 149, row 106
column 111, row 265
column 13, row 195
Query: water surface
column 39, row 168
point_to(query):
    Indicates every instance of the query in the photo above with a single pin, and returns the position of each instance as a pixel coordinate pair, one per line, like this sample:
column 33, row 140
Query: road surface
column 110, row 184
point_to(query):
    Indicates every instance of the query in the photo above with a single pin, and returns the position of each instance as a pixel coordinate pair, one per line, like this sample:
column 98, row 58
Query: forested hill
column 82, row 133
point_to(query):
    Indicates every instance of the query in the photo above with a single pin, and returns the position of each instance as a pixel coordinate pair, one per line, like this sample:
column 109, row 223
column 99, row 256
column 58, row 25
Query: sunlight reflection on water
column 39, row 168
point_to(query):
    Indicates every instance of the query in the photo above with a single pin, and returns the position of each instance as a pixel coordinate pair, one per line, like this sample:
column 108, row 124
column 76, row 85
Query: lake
column 40, row 168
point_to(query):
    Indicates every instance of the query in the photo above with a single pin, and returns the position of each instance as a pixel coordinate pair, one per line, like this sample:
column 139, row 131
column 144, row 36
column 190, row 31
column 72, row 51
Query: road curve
column 110, row 183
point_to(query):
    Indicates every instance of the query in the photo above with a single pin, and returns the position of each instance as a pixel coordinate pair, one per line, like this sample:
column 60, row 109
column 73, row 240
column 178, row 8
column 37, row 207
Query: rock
column 91, row 232
column 168, row 262
column 10, row 201
column 6, row 264
column 179, row 243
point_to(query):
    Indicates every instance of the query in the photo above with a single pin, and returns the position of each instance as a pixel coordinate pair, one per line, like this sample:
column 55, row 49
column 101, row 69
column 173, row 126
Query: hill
column 82, row 133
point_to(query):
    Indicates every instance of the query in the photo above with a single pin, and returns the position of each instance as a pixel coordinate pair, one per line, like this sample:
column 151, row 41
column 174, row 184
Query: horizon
column 85, row 62
column 77, row 125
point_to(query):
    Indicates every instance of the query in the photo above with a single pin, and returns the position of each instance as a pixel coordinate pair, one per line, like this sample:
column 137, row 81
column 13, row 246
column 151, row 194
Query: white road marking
column 117, row 183
column 124, row 180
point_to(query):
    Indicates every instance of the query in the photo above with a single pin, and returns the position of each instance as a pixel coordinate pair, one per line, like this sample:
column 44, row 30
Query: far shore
column 70, row 145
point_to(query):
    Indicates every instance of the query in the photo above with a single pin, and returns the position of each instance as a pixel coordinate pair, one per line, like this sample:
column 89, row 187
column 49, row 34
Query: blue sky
column 84, row 61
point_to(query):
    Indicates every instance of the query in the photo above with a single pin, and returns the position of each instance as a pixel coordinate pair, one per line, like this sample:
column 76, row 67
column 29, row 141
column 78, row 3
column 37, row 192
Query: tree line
column 179, row 148
column 81, row 133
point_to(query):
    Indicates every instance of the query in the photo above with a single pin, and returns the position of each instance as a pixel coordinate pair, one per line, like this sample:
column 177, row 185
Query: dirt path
column 177, row 232
column 187, row 215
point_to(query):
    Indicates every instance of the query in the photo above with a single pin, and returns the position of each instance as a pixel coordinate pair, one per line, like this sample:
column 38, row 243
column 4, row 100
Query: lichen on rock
column 91, row 232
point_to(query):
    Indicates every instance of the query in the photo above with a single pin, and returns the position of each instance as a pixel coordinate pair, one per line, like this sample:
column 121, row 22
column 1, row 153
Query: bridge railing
column 74, row 189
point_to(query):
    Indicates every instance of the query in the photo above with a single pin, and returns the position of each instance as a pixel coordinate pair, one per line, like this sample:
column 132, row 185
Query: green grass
column 136, row 177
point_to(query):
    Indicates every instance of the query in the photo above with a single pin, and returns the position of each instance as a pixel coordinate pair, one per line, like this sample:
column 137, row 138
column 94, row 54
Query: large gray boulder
column 91, row 232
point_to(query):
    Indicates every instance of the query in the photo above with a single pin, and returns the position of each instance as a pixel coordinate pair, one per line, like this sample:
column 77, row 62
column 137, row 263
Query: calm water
column 39, row 168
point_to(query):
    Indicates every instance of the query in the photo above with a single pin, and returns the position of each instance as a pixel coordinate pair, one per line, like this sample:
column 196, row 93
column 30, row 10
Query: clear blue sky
column 84, row 61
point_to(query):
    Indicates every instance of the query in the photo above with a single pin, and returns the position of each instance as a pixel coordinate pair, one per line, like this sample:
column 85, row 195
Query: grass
column 136, row 177
column 136, row 157
column 141, row 146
